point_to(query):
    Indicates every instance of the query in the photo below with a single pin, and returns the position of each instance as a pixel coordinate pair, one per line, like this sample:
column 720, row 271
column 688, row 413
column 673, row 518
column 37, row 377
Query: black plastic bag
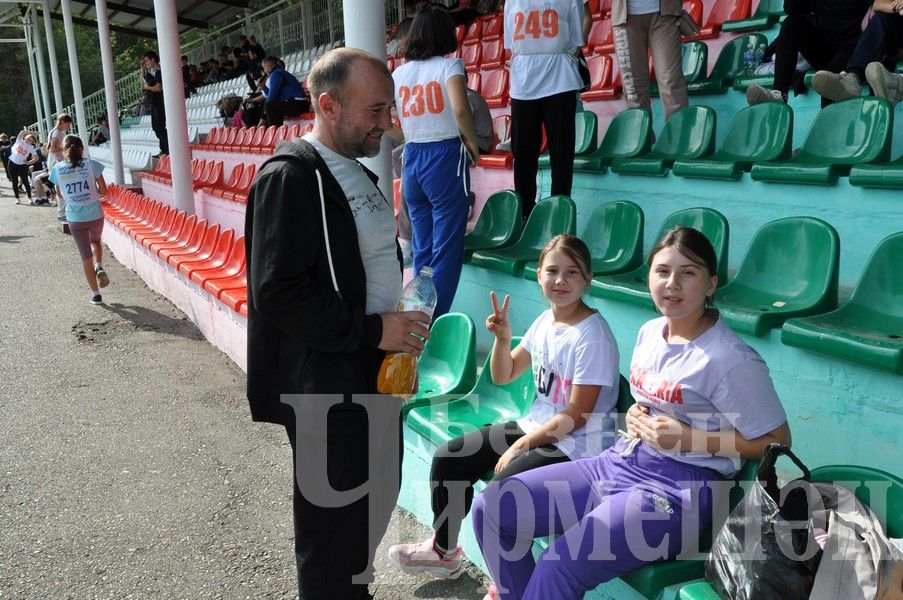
column 766, row 548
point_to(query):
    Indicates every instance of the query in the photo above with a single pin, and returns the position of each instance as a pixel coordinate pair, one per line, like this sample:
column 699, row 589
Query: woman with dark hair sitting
column 440, row 144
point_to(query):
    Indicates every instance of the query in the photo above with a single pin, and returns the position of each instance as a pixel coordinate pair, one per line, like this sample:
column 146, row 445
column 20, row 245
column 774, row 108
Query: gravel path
column 129, row 466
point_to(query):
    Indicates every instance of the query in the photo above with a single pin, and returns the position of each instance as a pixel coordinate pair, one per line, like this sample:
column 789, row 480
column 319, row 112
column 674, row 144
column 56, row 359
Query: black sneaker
column 96, row 299
column 103, row 280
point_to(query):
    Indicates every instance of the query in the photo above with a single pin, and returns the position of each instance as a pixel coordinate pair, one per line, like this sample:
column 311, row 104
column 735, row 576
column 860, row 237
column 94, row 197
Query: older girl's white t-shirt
column 713, row 383
column 561, row 357
column 422, row 101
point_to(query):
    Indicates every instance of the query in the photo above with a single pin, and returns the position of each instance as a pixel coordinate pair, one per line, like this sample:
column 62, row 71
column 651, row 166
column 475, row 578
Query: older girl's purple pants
column 610, row 515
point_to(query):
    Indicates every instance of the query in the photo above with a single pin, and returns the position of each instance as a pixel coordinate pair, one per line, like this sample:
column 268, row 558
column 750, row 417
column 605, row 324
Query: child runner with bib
column 440, row 144
column 574, row 359
column 704, row 403
column 77, row 181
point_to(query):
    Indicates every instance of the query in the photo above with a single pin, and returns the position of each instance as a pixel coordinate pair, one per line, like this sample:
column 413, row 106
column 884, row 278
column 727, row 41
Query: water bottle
column 749, row 59
column 760, row 55
column 397, row 375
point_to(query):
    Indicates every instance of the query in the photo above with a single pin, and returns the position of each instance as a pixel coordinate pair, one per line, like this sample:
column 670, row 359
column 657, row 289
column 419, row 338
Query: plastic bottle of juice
column 397, row 374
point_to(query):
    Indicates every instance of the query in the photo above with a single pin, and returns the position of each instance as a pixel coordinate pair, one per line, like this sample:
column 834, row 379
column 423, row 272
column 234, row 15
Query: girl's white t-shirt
column 20, row 152
column 713, row 383
column 582, row 354
column 421, row 98
column 543, row 37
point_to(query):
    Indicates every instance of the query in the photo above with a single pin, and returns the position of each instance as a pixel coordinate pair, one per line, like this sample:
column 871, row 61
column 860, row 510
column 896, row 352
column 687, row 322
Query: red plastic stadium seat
column 235, row 298
column 266, row 142
column 204, row 250
column 180, row 237
column 501, row 131
column 232, row 265
column 472, row 55
column 723, row 10
column 191, row 244
column 474, row 30
column 602, row 85
column 474, row 81
column 460, row 30
column 216, row 258
column 601, row 38
column 492, row 25
column 495, row 88
column 240, row 192
column 219, row 285
column 493, row 54
column 694, row 9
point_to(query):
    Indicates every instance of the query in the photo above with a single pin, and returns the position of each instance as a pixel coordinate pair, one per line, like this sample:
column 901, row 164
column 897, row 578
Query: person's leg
column 511, row 512
column 799, row 35
column 446, row 184
column 533, row 459
column 14, row 178
column 632, row 47
column 558, row 113
column 96, row 233
column 417, row 161
column 881, row 37
column 633, row 524
column 158, row 124
column 664, row 40
column 81, row 235
column 526, row 138
column 275, row 113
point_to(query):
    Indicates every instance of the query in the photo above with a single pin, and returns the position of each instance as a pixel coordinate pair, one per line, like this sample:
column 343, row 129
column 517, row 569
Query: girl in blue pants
column 440, row 144
column 704, row 402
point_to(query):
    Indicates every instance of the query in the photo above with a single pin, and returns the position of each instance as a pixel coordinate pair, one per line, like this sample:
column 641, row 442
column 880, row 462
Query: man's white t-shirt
column 713, row 383
column 20, row 152
column 542, row 38
column 374, row 217
column 421, row 98
column 581, row 354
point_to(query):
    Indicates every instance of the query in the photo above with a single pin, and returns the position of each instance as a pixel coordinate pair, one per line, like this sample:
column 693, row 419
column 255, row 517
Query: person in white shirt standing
column 440, row 144
column 543, row 37
column 21, row 155
column 55, row 155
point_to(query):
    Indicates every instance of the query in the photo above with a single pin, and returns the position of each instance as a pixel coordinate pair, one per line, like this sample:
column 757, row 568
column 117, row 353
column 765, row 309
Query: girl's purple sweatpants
column 610, row 514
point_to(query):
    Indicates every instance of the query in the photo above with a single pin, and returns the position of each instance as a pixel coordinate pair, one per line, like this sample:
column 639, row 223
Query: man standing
column 152, row 84
column 324, row 280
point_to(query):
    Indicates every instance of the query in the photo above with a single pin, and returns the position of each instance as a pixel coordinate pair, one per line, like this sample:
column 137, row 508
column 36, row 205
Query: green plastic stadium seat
column 498, row 225
column 868, row 328
column 550, row 217
column 694, row 60
column 628, row 135
column 790, row 270
column 688, row 133
column 487, row 403
column 614, row 236
column 889, row 175
column 758, row 133
column 587, row 124
column 448, row 365
column 633, row 287
column 854, row 131
column 742, row 82
column 728, row 65
column 767, row 14
column 889, row 512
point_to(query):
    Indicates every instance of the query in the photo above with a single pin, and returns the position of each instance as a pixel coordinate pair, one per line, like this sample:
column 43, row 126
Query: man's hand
column 400, row 329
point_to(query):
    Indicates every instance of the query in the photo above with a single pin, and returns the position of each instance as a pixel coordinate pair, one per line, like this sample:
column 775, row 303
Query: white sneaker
column 837, row 86
column 885, row 84
column 756, row 94
column 423, row 558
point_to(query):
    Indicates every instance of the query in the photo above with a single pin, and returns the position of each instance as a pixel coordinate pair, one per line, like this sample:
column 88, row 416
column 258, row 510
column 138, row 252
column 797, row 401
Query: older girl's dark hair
column 572, row 247
column 693, row 244
column 73, row 149
column 432, row 33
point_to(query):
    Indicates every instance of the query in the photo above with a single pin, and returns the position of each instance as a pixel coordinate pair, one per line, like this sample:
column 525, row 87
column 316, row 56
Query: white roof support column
column 76, row 75
column 174, row 100
column 39, row 112
column 109, row 86
column 51, row 54
column 365, row 28
column 42, row 72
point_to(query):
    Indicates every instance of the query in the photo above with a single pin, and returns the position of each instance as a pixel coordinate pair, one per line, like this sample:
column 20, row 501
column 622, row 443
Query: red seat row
column 249, row 140
column 213, row 259
column 238, row 186
column 501, row 132
column 203, row 173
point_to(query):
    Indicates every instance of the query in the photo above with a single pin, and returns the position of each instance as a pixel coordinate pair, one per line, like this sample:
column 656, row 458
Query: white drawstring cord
column 335, row 283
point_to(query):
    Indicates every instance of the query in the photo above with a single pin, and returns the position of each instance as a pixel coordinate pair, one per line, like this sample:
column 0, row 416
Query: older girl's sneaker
column 885, row 84
column 424, row 558
column 96, row 299
column 837, row 86
column 103, row 280
column 756, row 94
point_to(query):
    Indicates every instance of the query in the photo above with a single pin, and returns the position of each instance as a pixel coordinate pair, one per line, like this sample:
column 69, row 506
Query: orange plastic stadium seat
column 168, row 233
column 240, row 193
column 601, row 38
column 501, row 131
column 233, row 264
column 204, row 250
column 602, row 84
column 216, row 258
column 492, row 25
column 473, row 32
column 235, row 298
column 234, row 178
column 226, row 142
column 472, row 55
column 694, row 9
column 218, row 285
column 493, row 54
column 474, row 81
column 723, row 10
column 180, row 238
column 192, row 243
column 495, row 88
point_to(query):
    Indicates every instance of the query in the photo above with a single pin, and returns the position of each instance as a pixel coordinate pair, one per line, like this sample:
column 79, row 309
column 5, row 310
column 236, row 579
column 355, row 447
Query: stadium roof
column 136, row 17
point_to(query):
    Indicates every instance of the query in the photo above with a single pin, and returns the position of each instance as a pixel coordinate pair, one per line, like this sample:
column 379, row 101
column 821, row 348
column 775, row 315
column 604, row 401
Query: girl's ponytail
column 73, row 149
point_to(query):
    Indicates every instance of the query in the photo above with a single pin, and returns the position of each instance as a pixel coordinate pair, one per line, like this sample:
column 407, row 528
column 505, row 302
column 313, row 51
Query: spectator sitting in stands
column 240, row 58
column 463, row 13
column 102, row 133
column 215, row 74
column 482, row 120
column 883, row 37
column 282, row 93
column 258, row 49
column 825, row 32
column 227, row 66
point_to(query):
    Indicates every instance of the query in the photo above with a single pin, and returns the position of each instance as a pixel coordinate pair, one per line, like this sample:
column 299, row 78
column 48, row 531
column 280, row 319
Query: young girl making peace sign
column 574, row 359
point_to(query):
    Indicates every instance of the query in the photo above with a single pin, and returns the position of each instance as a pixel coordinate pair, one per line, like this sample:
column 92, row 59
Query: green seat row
column 863, row 479
column 498, row 225
column 767, row 14
column 628, row 135
column 689, row 133
column 729, row 65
